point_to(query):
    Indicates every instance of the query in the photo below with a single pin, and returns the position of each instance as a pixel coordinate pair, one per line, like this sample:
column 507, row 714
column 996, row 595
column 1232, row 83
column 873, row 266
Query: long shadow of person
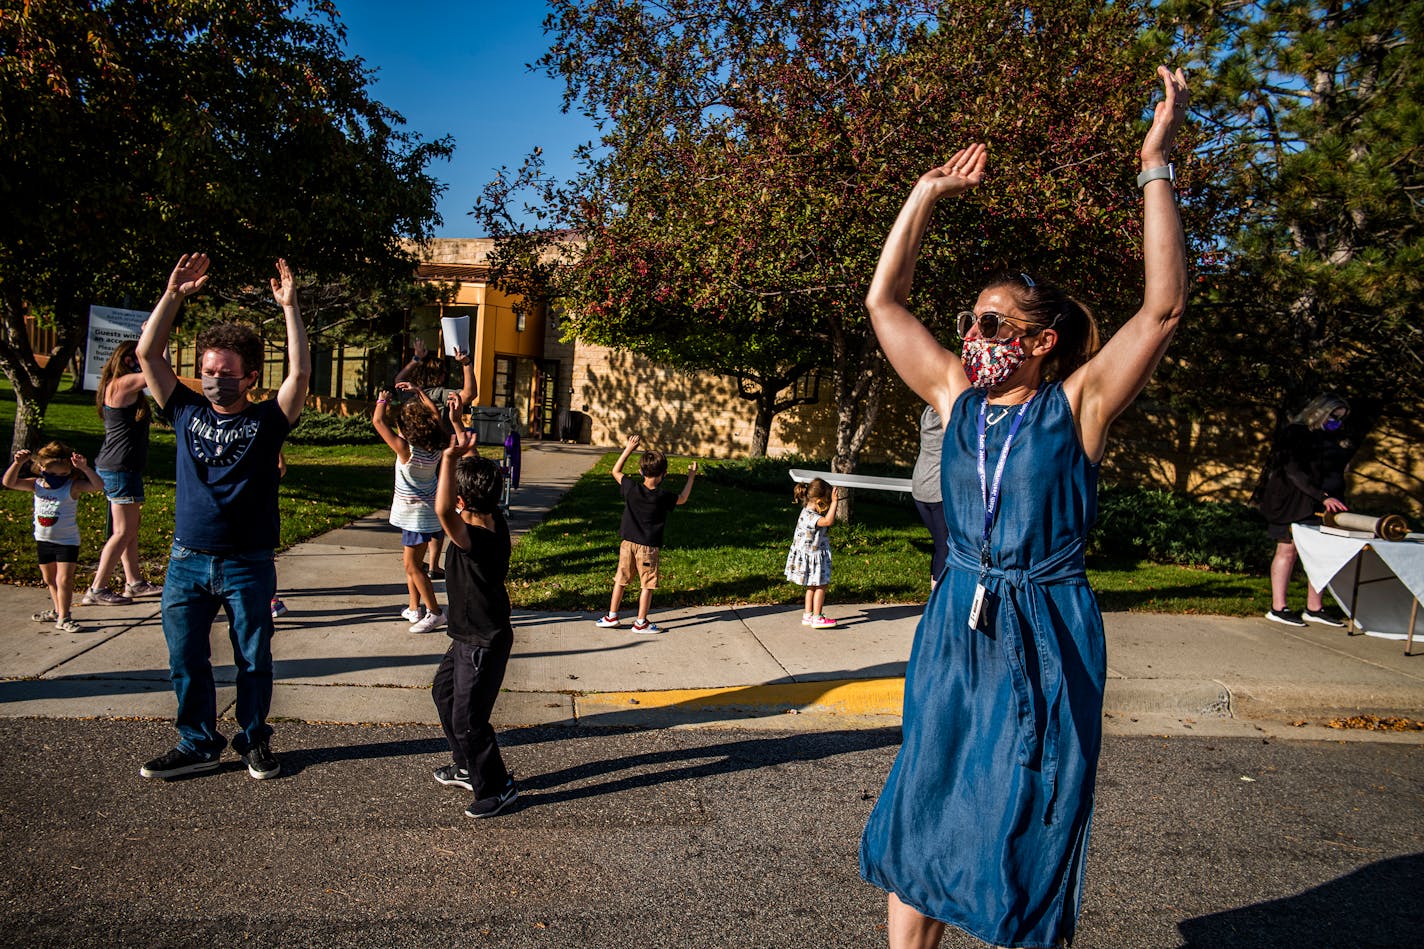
column 1375, row 906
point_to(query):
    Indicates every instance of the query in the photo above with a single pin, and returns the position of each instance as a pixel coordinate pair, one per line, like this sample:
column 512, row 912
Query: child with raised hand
column 417, row 449
column 56, row 523
column 809, row 561
column 469, row 677
column 645, row 512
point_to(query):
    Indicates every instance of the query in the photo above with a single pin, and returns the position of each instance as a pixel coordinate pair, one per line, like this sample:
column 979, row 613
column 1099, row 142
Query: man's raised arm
column 293, row 393
column 187, row 279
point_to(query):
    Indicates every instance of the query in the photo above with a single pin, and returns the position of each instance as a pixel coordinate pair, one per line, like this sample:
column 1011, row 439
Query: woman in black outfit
column 1305, row 475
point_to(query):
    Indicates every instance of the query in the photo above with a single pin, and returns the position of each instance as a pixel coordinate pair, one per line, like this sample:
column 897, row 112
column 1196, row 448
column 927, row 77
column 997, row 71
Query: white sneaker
column 608, row 621
column 806, row 619
column 413, row 614
column 432, row 621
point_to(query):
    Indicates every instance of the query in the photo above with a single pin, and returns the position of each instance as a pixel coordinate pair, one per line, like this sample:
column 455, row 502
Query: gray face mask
column 222, row 390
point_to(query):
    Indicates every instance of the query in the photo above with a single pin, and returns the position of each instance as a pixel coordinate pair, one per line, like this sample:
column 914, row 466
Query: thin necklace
column 992, row 420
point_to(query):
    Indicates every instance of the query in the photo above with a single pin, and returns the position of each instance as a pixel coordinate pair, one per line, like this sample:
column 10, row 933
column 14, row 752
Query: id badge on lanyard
column 978, row 610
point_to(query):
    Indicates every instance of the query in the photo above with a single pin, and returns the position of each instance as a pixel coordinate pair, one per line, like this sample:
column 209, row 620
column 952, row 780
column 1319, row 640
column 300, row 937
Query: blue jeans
column 243, row 585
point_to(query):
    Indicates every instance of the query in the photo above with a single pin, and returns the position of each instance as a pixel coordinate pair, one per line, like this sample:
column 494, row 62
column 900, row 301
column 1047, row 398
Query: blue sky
column 457, row 68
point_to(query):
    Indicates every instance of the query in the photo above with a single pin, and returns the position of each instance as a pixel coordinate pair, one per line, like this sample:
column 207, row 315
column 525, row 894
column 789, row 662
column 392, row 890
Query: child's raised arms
column 389, row 435
column 12, row 477
column 462, row 443
column 829, row 518
column 91, row 480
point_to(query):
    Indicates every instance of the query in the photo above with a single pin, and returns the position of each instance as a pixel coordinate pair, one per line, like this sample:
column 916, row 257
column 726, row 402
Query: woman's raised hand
column 1167, row 118
column 959, row 174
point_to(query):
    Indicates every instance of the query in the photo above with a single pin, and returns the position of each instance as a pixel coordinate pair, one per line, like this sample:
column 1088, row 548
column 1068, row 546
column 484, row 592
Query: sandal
column 45, row 616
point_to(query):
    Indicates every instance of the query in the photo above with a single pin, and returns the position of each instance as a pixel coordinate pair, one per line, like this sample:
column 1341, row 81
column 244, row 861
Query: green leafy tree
column 134, row 130
column 754, row 154
column 1314, row 114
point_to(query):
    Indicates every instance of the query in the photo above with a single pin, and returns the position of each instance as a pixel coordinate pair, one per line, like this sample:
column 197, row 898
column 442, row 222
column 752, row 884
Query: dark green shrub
column 321, row 428
column 771, row 474
column 1164, row 527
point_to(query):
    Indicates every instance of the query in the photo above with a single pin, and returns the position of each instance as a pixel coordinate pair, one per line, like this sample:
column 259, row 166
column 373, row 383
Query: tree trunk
column 30, row 407
column 859, row 386
column 34, row 385
column 761, row 428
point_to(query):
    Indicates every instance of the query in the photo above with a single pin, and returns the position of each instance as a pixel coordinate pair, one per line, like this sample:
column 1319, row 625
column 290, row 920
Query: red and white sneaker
column 822, row 622
column 609, row 621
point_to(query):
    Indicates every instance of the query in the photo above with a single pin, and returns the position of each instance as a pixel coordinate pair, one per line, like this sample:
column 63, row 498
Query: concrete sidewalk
column 344, row 655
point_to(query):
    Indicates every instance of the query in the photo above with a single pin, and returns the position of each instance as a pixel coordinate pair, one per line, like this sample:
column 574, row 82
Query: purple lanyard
column 991, row 495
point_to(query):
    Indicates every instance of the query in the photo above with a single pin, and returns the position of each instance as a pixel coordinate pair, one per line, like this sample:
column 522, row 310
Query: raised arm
column 388, row 435
column 12, row 479
column 292, row 395
column 446, row 491
column 91, row 481
column 468, row 390
column 931, row 371
column 120, row 390
column 829, row 518
column 687, row 485
column 633, row 442
column 1106, row 385
column 417, row 348
column 187, row 279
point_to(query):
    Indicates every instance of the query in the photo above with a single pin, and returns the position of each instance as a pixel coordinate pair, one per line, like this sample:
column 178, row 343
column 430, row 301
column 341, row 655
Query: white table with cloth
column 1378, row 583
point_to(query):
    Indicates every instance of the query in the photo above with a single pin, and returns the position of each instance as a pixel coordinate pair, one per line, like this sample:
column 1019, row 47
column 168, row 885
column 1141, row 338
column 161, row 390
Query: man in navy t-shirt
column 226, row 523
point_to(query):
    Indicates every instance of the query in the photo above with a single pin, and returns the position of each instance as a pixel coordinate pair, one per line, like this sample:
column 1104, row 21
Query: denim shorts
column 123, row 487
column 416, row 538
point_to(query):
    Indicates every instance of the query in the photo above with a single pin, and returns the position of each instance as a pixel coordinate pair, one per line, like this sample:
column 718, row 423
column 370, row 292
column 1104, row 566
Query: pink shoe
column 822, row 622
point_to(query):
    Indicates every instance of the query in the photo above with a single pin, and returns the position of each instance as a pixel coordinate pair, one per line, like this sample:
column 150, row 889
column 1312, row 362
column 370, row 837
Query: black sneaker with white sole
column 261, row 763
column 490, row 806
column 451, row 776
column 1287, row 617
column 175, row 763
column 1321, row 617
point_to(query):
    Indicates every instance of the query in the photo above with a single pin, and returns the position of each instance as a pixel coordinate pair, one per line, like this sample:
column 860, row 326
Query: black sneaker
column 261, row 763
column 452, row 776
column 490, row 806
column 179, row 762
column 1288, row 617
column 1321, row 617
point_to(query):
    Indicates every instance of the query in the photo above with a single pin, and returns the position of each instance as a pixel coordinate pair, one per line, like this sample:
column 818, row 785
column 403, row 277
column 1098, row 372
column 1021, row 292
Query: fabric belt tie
column 1065, row 565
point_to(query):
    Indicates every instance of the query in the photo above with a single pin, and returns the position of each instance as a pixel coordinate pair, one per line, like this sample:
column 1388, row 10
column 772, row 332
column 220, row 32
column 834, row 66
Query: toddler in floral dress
column 809, row 561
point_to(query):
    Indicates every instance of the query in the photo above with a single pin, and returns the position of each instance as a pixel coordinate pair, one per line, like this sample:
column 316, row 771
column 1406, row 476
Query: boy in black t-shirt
column 645, row 512
column 468, row 679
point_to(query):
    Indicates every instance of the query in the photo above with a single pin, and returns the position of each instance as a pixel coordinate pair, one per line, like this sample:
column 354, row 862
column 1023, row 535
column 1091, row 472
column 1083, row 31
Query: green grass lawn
column 325, row 487
column 727, row 545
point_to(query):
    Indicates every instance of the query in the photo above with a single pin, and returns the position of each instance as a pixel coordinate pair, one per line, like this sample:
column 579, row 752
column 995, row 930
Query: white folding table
column 1378, row 583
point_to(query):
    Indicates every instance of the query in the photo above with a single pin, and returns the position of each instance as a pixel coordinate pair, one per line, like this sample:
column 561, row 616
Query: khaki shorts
column 635, row 558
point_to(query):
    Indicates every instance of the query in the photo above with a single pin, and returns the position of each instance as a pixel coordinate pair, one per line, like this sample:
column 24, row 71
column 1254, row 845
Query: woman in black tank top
column 120, row 463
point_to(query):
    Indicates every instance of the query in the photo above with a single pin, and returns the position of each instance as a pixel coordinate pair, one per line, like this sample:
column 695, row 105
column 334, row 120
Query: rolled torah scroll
column 1388, row 527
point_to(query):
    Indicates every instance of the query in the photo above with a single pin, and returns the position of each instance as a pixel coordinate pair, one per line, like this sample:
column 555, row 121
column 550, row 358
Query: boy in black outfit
column 645, row 513
column 468, row 679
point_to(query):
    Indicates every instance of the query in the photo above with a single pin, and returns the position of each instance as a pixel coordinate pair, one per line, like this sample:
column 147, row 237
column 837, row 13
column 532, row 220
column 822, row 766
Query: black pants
column 932, row 513
column 466, row 685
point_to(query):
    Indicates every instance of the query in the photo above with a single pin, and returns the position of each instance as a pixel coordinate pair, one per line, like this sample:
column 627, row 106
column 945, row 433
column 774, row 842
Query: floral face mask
column 988, row 362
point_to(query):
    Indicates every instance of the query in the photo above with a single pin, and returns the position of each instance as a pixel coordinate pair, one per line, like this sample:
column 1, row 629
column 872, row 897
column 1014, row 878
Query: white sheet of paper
column 456, row 330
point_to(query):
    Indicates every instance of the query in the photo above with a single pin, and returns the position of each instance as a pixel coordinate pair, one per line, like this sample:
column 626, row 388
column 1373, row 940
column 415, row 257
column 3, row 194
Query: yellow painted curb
column 835, row 696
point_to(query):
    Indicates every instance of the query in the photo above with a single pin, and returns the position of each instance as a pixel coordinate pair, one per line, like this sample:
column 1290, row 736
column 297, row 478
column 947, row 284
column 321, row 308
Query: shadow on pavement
column 1375, row 906
column 664, row 767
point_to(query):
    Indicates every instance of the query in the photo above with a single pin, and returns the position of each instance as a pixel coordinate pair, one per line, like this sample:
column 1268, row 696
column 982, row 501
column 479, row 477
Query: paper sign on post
column 456, row 330
column 108, row 327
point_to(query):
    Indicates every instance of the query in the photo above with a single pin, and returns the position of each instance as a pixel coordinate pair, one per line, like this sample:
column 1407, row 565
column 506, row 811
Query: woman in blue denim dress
column 983, row 822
